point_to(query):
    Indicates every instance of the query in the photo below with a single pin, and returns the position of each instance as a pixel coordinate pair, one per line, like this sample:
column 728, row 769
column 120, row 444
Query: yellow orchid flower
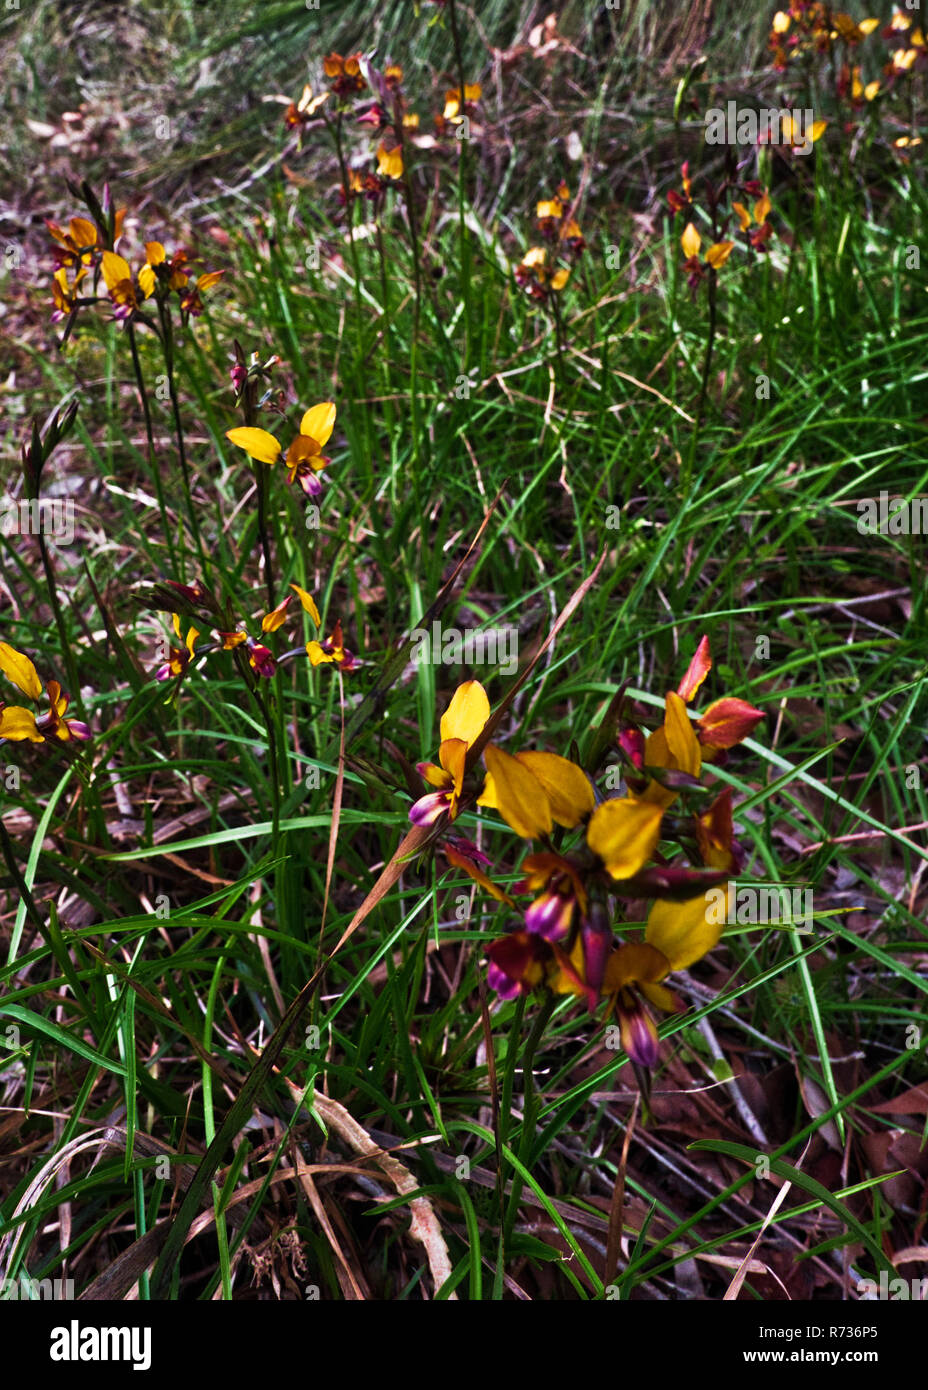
column 796, row 137
column 333, row 649
column 389, row 161
column 17, row 723
column 63, row 294
column 304, row 456
column 513, row 790
column 454, row 104
column 532, row 790
column 460, row 726
column 624, row 833
column 126, row 295
column 716, row 255
column 298, row 112
column 179, row 658
column 676, row 935
column 534, row 275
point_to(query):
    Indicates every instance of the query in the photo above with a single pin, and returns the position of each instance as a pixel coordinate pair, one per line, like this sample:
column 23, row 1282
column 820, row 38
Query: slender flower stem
column 261, row 486
column 335, row 128
column 417, row 311
column 462, row 178
column 272, row 744
column 529, row 1109
column 167, row 344
column 250, row 415
column 710, row 342
column 505, row 1102
column 704, row 387
column 559, row 335
column 152, row 461
column 74, row 690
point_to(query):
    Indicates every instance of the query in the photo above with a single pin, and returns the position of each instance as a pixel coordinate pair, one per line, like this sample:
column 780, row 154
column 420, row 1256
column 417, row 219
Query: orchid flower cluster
column 385, row 110
column 262, row 662
column 809, row 27
column 754, row 223
column 564, row 940
column 539, row 273
column 810, row 32
column 87, row 248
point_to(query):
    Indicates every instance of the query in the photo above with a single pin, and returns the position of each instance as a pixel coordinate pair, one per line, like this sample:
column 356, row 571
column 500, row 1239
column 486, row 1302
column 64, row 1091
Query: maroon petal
column 429, row 809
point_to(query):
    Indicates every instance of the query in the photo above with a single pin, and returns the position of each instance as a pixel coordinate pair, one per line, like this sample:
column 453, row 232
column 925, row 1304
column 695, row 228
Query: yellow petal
column 316, row 654
column 308, row 602
column 624, row 833
column 635, row 963
column 488, row 796
column 661, row 997
column 520, row 798
column 390, row 162
column 83, row 232
column 559, row 278
column 816, row 130
column 686, row 931
column 115, row 270
column 276, row 617
column 658, row 754
column 147, row 281
column 743, row 216
column 657, row 750
column 451, row 754
column 20, row 671
column 690, row 241
column 566, row 786
column 466, row 715
column 871, row 90
column 58, row 702
column 435, row 776
column 718, row 254
column 762, row 210
column 154, row 252
column 701, row 664
column 211, row 278
column 258, row 443
column 319, row 422
column 681, row 736
column 302, row 448
column 867, row 26
column 17, row 723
